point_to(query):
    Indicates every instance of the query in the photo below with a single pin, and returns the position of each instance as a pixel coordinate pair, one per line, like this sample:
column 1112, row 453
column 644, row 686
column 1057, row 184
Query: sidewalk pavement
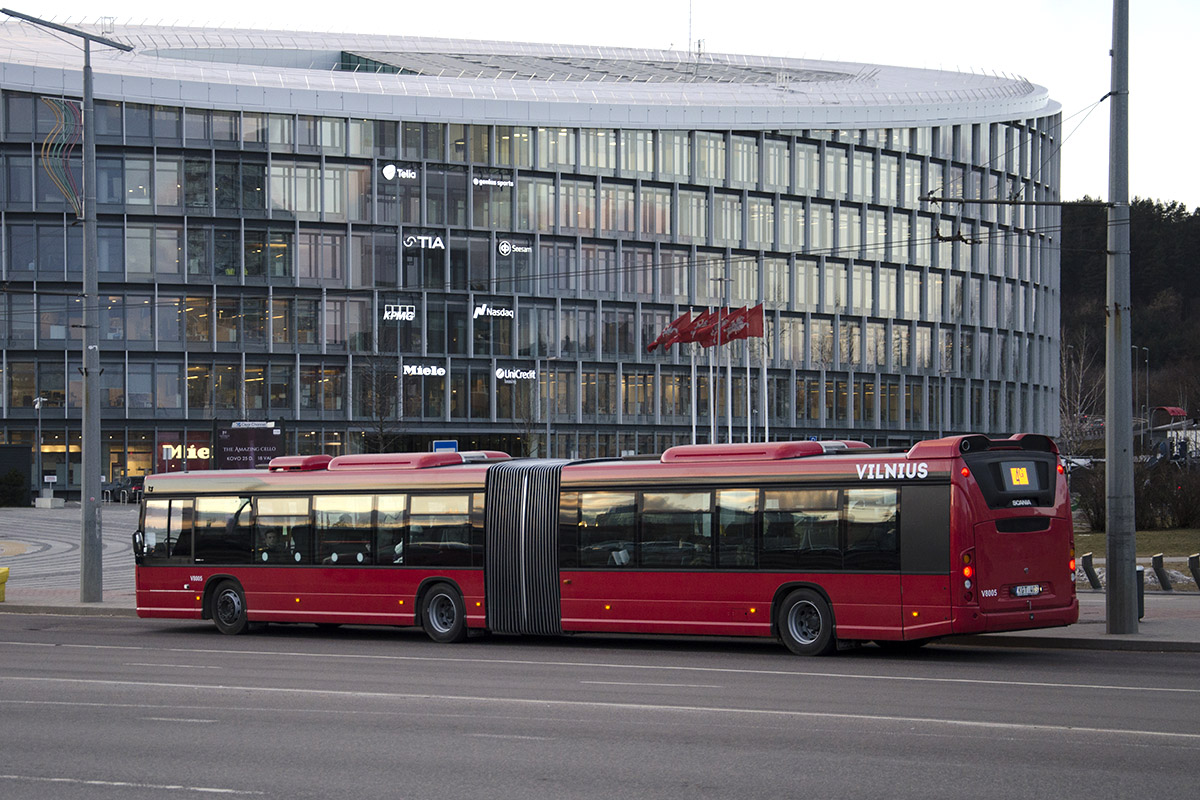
column 1171, row 623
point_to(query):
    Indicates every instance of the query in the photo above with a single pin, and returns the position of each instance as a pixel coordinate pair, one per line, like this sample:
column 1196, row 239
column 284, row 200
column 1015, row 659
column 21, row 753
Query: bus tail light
column 968, row 575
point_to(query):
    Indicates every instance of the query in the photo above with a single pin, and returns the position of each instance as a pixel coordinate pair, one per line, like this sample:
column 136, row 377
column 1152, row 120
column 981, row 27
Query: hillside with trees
column 1165, row 302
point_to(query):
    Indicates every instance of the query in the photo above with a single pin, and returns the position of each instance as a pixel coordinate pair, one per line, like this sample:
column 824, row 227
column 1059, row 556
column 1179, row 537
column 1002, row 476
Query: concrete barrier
column 1160, row 572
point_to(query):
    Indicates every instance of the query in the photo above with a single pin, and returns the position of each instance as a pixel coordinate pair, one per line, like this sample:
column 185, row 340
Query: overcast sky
column 1060, row 44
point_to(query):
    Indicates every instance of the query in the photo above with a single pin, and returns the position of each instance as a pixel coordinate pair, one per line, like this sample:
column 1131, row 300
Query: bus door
column 166, row 575
column 925, row 560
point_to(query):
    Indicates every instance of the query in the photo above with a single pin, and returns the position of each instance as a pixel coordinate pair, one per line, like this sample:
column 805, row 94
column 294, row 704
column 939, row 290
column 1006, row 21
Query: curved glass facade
column 365, row 281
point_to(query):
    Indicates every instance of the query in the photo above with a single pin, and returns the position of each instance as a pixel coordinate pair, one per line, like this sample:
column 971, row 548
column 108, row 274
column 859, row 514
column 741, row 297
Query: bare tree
column 1081, row 393
column 376, row 402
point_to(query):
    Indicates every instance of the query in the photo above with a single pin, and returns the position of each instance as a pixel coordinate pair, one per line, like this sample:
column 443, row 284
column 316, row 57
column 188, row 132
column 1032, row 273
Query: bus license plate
column 1028, row 590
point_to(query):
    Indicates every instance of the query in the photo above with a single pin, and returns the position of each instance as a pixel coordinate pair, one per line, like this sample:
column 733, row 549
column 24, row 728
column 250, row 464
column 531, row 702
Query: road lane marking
column 280, row 654
column 170, row 666
column 659, row 685
column 615, row 706
column 128, row 785
column 510, row 736
column 174, row 719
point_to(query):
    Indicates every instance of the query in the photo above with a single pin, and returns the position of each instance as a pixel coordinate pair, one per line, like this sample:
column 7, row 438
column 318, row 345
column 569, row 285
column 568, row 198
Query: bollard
column 1090, row 571
column 1164, row 580
column 1141, row 589
column 3, row 580
column 1194, row 566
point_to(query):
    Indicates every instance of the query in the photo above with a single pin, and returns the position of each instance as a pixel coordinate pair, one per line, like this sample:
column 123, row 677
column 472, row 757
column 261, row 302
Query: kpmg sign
column 399, row 313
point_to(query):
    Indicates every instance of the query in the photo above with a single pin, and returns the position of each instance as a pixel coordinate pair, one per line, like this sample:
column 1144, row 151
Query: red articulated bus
column 814, row 543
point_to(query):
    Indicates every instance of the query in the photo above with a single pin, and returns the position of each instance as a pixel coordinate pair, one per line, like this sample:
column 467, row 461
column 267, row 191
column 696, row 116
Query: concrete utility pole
column 1118, row 437
column 91, row 579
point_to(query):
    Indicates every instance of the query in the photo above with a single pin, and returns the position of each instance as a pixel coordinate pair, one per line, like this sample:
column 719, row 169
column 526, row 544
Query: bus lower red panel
column 926, row 606
column 317, row 594
column 738, row 604
column 169, row 592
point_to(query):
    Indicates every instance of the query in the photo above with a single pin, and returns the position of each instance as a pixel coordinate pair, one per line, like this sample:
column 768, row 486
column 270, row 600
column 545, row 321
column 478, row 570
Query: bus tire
column 229, row 608
column 806, row 624
column 443, row 614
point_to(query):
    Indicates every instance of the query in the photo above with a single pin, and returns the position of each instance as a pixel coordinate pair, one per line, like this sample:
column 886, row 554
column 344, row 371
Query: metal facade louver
column 521, row 529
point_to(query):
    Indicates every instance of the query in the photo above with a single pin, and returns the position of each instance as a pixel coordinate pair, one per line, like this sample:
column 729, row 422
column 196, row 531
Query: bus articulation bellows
column 814, row 543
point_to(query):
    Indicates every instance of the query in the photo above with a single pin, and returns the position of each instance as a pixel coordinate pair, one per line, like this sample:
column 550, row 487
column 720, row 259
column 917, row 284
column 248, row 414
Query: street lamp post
column 1146, row 351
column 91, row 586
column 39, row 481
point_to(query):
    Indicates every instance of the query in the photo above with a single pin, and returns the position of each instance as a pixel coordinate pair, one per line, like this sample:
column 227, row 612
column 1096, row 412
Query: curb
column 1109, row 643
column 97, row 610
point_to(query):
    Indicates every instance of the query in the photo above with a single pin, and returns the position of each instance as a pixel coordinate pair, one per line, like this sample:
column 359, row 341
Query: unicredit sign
column 516, row 374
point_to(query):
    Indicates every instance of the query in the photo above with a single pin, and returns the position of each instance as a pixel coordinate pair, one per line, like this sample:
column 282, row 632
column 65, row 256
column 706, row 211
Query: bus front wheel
column 229, row 608
column 443, row 614
column 806, row 624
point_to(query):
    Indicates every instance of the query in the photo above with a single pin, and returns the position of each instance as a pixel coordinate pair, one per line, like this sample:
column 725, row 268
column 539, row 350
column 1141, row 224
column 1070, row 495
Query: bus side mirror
column 139, row 546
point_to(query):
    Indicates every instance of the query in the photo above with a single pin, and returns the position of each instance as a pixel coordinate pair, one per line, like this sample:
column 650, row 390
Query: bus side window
column 343, row 529
column 440, row 530
column 737, row 518
column 801, row 530
column 281, row 530
column 390, row 528
column 166, row 539
column 222, row 530
column 607, row 529
column 871, row 529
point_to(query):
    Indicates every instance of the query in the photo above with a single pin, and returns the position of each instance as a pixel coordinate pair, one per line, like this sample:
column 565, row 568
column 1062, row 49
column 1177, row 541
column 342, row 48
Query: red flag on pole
column 754, row 318
column 670, row 334
column 713, row 333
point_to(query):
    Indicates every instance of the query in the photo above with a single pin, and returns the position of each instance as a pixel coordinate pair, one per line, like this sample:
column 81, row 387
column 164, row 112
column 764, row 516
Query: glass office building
column 384, row 241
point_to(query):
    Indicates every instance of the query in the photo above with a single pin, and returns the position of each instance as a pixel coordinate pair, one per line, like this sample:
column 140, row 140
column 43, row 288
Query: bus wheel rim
column 229, row 607
column 804, row 622
column 441, row 613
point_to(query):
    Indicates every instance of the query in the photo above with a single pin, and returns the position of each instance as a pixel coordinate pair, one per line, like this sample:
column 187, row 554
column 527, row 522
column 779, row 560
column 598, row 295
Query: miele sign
column 425, row 370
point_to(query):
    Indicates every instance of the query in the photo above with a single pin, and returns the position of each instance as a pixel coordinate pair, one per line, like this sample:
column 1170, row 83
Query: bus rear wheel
column 443, row 614
column 229, row 608
column 806, row 624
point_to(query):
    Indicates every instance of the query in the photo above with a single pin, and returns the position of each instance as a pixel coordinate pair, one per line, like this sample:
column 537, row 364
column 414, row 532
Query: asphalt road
column 103, row 708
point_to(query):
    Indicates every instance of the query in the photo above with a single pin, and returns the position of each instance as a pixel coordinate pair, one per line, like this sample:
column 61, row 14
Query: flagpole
column 749, row 410
column 712, row 398
column 693, row 403
column 728, row 382
column 765, row 403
